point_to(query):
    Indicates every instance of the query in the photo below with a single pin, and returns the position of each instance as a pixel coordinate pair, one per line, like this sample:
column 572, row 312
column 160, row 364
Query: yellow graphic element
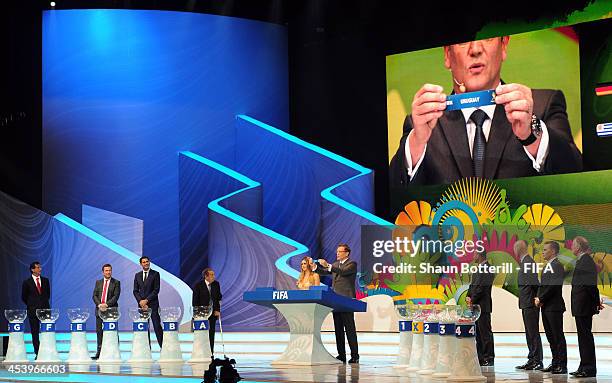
column 417, row 327
column 603, row 261
column 415, row 214
column 424, row 291
column 605, row 287
column 547, row 225
column 481, row 195
column 396, row 113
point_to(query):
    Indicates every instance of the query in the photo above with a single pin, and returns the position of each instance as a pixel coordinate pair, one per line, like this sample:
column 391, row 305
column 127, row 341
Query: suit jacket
column 585, row 294
column 30, row 296
column 528, row 283
column 550, row 290
column 480, row 290
column 343, row 277
column 112, row 297
column 447, row 157
column 201, row 296
column 148, row 289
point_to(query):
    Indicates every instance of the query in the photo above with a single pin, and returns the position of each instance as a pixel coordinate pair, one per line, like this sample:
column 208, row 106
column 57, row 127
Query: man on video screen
column 521, row 132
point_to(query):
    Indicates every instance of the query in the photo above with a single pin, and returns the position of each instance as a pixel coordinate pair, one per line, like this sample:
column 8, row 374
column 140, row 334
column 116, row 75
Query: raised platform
column 255, row 351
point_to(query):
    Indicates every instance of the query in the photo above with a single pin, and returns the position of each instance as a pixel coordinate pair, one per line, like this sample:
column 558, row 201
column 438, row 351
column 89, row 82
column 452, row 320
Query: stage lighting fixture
column 52, row 4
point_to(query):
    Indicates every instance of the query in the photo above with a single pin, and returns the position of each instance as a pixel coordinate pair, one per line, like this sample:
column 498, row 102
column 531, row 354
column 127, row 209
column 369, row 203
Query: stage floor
column 254, row 353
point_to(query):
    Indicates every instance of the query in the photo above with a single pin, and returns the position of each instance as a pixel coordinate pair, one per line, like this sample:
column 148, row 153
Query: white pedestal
column 446, row 356
column 201, row 347
column 405, row 345
column 171, row 348
column 416, row 352
column 170, row 368
column 78, row 348
column 109, row 353
column 141, row 349
column 431, row 342
column 16, row 352
column 110, row 368
column 465, row 367
column 305, row 346
column 47, row 352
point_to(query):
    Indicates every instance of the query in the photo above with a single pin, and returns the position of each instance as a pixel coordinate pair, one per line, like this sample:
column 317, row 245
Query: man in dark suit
column 550, row 300
column 205, row 293
column 527, row 133
column 106, row 294
column 585, row 304
column 344, row 273
column 528, row 284
column 479, row 293
column 35, row 293
column 146, row 290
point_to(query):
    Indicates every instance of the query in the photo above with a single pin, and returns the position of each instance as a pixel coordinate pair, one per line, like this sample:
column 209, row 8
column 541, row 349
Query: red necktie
column 38, row 286
column 104, row 291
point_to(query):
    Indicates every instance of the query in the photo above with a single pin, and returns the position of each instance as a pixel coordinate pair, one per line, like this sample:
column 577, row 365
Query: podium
column 201, row 352
column 141, row 347
column 16, row 352
column 78, row 336
column 305, row 311
column 47, row 351
column 109, row 353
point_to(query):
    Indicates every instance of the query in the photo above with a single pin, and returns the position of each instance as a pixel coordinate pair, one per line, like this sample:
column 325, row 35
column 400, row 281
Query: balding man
column 528, row 284
column 585, row 303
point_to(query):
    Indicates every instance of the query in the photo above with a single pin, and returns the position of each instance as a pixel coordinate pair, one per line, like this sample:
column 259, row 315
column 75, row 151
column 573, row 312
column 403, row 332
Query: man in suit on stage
column 207, row 292
column 35, row 293
column 585, row 304
column 146, row 290
column 479, row 293
column 106, row 294
column 528, row 284
column 550, row 300
column 344, row 273
column 526, row 133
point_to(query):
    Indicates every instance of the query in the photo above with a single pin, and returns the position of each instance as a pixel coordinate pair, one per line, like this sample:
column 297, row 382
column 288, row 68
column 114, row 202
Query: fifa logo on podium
column 280, row 295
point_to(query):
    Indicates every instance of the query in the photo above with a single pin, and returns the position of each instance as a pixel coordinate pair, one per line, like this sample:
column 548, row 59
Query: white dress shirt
column 470, row 127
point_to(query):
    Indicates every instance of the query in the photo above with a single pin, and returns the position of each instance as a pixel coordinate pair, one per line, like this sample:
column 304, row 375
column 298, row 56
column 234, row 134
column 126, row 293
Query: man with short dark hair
column 344, row 273
column 479, row 293
column 146, row 291
column 205, row 293
column 585, row 304
column 35, row 293
column 550, row 300
column 106, row 294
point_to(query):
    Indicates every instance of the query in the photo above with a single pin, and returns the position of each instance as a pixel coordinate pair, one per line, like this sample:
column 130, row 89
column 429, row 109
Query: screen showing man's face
column 476, row 64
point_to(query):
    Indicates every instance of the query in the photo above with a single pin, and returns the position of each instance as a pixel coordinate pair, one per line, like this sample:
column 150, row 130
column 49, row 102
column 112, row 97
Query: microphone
column 461, row 85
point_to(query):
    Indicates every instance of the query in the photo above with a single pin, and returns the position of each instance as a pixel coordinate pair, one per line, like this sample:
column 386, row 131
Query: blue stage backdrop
column 124, row 91
column 165, row 135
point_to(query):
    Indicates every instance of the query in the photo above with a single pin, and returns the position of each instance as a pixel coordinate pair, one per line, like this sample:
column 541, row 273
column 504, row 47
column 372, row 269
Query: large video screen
column 544, row 110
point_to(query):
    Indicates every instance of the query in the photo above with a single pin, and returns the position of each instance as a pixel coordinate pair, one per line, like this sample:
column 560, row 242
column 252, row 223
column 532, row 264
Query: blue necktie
column 480, row 143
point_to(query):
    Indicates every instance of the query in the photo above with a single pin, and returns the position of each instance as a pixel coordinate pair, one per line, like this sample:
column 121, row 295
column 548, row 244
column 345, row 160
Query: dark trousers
column 212, row 321
column 553, row 326
column 484, row 338
column 159, row 332
column 586, row 344
column 346, row 322
column 531, row 320
column 34, row 329
column 98, row 333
